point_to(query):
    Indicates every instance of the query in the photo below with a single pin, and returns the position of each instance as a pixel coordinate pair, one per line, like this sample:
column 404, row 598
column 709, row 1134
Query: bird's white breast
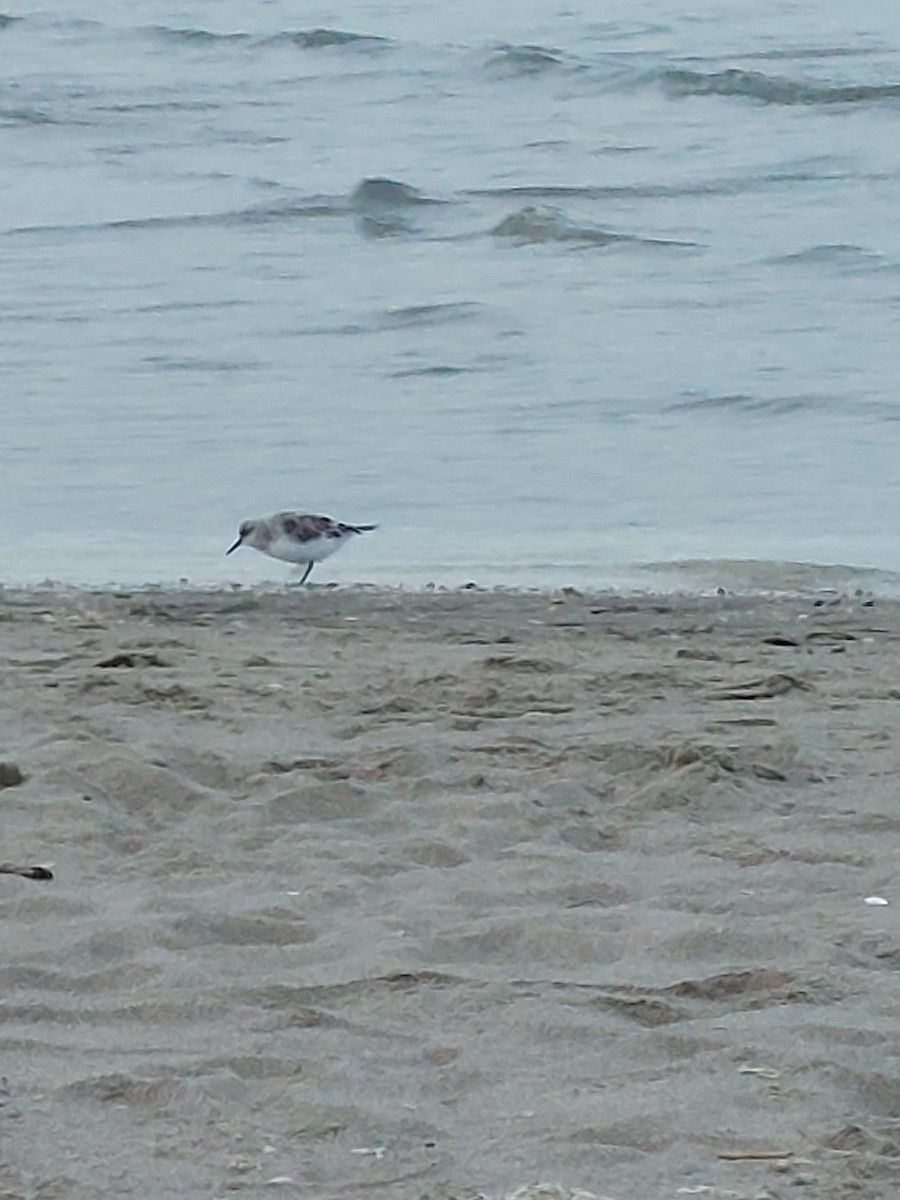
column 314, row 550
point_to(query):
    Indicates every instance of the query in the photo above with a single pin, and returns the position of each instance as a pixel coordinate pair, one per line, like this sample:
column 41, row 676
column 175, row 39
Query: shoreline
column 351, row 869
column 687, row 577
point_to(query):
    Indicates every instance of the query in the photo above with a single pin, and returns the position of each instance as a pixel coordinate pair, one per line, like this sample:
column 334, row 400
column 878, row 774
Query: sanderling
column 297, row 537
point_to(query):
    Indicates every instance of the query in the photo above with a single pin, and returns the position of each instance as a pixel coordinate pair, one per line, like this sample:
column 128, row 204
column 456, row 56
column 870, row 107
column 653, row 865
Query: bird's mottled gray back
column 305, row 527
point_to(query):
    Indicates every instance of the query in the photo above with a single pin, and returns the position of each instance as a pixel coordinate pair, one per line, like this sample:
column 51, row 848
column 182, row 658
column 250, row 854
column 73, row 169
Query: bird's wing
column 305, row 527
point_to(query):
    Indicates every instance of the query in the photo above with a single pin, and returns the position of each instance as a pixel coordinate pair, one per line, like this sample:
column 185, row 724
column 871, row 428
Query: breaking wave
column 318, row 39
column 535, row 225
column 840, row 255
column 377, row 194
column 518, row 61
column 774, row 89
column 531, row 225
column 306, row 39
column 379, row 204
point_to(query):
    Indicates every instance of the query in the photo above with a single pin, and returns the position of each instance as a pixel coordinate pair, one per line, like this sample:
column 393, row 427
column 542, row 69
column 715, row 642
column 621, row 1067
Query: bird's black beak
column 235, row 546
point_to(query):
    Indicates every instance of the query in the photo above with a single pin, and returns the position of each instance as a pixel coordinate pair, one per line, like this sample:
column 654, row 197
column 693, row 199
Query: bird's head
column 246, row 533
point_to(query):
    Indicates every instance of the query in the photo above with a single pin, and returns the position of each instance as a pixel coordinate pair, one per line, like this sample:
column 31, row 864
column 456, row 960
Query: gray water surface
column 546, row 292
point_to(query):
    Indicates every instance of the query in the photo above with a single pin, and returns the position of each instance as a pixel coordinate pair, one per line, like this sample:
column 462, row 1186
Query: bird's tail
column 362, row 528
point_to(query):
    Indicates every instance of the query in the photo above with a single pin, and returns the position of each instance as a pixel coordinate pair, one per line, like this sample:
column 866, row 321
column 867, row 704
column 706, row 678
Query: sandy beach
column 445, row 895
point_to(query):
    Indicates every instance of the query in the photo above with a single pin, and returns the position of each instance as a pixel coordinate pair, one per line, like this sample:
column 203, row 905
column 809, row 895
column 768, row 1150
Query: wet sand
column 439, row 895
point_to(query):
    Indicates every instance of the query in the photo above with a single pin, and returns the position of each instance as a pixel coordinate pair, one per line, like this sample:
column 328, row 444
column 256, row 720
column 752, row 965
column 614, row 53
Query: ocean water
column 549, row 292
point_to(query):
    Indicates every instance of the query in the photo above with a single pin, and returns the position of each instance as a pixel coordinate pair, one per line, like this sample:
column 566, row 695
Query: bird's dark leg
column 309, row 567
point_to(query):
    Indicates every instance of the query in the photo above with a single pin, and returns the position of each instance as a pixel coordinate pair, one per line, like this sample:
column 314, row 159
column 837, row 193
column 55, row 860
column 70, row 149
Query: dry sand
column 438, row 895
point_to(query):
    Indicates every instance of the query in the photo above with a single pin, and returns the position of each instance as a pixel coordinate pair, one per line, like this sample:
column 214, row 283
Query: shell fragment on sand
column 26, row 872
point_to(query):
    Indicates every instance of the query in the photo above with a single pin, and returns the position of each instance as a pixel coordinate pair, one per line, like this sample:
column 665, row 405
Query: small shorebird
column 297, row 537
